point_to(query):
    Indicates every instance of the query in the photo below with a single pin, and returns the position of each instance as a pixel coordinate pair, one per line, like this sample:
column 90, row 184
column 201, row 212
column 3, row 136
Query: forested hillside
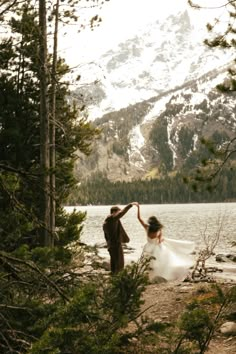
column 99, row 190
column 143, row 146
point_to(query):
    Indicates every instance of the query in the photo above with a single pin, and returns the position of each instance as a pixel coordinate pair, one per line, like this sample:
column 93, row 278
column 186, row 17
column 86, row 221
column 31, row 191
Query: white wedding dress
column 172, row 258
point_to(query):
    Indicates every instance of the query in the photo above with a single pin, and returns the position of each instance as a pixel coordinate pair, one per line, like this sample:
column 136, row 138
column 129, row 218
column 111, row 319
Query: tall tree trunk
column 52, row 126
column 44, row 126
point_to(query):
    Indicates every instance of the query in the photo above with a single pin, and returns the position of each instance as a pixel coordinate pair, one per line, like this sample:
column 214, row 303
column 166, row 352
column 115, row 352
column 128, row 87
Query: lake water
column 181, row 221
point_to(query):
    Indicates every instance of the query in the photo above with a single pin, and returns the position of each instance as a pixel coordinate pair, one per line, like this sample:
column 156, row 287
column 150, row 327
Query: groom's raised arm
column 122, row 212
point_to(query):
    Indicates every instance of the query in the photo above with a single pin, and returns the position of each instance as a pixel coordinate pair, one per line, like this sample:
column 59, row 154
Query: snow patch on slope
column 158, row 107
column 137, row 141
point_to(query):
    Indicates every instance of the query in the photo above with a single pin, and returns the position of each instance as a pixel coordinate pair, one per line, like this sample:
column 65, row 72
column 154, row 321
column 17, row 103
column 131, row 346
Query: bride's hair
column 154, row 224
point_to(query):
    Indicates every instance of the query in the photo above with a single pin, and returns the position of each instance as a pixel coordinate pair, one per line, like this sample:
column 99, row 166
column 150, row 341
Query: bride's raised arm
column 139, row 216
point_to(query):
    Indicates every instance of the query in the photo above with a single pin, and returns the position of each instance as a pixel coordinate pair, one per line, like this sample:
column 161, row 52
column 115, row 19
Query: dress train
column 171, row 258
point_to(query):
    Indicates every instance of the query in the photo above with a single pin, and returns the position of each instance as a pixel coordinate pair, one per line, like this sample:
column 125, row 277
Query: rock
column 213, row 270
column 226, row 257
column 231, row 257
column 228, row 328
column 158, row 280
column 221, row 258
column 105, row 265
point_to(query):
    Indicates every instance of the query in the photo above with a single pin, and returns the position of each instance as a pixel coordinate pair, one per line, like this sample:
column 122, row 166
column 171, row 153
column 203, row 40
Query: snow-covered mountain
column 161, row 57
column 156, row 98
column 162, row 133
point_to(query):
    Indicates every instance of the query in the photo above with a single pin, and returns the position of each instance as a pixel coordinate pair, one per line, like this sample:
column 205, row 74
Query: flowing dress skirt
column 172, row 259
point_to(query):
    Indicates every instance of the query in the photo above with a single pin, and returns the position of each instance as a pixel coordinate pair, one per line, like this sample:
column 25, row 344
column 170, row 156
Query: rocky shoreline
column 219, row 266
column 165, row 301
column 168, row 300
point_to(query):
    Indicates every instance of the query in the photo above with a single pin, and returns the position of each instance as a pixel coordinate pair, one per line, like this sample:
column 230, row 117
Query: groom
column 115, row 235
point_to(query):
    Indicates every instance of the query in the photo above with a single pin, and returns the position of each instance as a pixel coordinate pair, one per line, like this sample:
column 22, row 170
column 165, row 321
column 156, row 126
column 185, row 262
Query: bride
column 170, row 259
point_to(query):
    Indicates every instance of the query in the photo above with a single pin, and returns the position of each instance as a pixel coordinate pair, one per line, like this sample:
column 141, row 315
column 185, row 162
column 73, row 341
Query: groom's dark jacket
column 115, row 235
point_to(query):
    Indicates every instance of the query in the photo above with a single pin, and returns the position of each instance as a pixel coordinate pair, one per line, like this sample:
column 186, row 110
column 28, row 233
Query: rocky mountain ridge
column 163, row 56
column 162, row 133
column 155, row 102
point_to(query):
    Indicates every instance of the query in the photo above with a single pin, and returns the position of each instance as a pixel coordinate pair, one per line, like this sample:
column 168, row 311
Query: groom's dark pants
column 116, row 258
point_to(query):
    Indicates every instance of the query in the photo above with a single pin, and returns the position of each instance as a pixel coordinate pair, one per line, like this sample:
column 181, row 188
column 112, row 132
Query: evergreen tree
column 222, row 38
column 20, row 132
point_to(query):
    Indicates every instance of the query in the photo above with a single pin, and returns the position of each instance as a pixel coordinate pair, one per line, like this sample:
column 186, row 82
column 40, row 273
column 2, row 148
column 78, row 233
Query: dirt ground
column 168, row 300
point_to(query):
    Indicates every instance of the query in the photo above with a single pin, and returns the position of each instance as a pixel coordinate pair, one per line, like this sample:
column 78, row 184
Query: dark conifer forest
column 98, row 190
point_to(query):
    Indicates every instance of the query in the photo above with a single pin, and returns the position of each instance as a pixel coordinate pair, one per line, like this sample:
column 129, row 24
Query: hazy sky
column 121, row 19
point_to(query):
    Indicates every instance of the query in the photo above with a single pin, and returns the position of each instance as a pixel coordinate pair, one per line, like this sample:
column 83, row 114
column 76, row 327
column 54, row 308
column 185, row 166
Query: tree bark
column 44, row 128
column 52, row 127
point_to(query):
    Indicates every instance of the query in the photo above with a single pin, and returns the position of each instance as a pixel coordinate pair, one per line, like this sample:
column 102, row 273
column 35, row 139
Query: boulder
column 228, row 328
column 221, row 258
column 231, row 257
column 226, row 257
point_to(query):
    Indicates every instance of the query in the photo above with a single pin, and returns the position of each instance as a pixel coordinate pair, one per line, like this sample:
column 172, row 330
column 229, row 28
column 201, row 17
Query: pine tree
column 20, row 131
column 223, row 38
